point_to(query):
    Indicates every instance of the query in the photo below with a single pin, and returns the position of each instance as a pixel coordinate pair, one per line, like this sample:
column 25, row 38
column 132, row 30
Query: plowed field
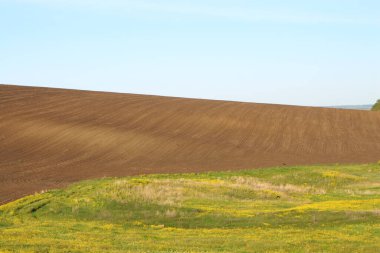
column 52, row 137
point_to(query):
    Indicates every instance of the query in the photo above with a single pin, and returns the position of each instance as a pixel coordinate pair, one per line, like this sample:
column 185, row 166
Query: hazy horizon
column 314, row 53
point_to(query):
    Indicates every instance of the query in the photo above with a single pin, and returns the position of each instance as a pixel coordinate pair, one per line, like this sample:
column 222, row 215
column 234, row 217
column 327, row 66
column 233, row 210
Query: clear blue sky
column 314, row 52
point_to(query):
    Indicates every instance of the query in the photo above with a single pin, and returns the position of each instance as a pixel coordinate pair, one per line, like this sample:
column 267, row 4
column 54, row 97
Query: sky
column 315, row 52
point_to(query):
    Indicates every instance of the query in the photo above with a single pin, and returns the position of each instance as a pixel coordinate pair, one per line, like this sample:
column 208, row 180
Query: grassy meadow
column 294, row 209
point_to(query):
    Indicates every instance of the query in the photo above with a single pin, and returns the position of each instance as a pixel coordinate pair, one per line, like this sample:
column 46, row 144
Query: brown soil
column 52, row 137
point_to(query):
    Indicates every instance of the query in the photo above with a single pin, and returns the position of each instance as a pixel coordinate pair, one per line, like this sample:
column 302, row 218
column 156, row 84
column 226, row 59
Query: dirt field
column 52, row 137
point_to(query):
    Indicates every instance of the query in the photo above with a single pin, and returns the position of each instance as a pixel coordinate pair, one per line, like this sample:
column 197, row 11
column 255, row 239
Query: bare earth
column 52, row 137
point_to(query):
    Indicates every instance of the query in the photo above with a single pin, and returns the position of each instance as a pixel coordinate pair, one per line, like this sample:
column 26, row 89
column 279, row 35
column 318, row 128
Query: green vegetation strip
column 376, row 107
column 296, row 209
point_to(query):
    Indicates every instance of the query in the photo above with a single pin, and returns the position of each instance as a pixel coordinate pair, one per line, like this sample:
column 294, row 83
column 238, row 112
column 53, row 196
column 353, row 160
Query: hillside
column 376, row 107
column 52, row 137
column 297, row 209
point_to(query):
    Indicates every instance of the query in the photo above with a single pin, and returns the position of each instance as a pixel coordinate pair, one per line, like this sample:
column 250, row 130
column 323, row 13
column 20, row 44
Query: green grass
column 376, row 107
column 296, row 209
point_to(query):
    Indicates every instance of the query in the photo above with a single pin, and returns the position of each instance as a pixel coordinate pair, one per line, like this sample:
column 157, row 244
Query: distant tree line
column 376, row 107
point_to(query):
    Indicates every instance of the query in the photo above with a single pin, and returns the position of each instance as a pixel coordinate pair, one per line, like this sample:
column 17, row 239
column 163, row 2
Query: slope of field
column 52, row 137
column 295, row 209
